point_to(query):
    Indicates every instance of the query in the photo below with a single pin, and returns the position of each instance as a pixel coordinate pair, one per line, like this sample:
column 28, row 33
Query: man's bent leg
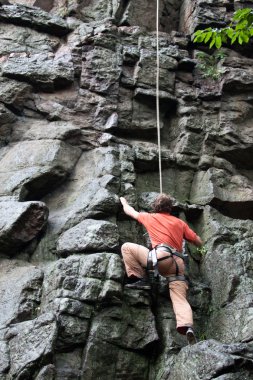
column 181, row 306
column 135, row 258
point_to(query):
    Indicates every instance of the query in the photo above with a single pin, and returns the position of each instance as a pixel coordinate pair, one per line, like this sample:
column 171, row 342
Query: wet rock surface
column 77, row 131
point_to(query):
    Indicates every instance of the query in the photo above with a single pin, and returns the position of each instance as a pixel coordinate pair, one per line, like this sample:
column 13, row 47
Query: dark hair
column 162, row 203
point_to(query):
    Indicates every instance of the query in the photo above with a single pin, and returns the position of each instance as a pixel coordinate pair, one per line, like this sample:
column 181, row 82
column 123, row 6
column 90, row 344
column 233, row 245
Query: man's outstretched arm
column 198, row 242
column 129, row 210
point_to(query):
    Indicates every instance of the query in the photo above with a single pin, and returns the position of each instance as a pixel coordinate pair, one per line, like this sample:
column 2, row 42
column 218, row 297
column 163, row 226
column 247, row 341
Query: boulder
column 225, row 268
column 194, row 14
column 6, row 116
column 21, row 302
column 36, row 18
column 14, row 93
column 40, row 70
column 233, row 193
column 82, row 279
column 30, row 344
column 97, row 77
column 29, row 168
column 211, row 359
column 88, row 236
column 20, row 41
column 20, row 222
column 36, row 129
column 237, row 78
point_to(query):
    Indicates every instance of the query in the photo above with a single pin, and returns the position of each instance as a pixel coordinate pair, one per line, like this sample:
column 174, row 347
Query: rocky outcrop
column 20, row 223
column 77, row 131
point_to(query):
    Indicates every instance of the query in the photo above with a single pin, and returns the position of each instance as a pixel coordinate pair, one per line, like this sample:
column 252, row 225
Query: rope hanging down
column 157, row 97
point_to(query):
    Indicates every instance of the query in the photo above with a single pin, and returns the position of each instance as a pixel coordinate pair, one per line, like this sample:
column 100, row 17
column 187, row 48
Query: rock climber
column 166, row 234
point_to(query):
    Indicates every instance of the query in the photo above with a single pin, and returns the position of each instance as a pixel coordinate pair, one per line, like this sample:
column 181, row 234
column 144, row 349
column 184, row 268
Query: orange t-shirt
column 167, row 229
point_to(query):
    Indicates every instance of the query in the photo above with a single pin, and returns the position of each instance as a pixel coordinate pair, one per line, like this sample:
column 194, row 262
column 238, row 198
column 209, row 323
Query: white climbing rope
column 157, row 97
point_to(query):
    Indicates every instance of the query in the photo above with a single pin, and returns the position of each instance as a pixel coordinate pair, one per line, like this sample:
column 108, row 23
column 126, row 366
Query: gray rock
column 206, row 360
column 80, row 278
column 90, row 235
column 31, row 343
column 21, row 302
column 19, row 41
column 238, row 78
column 20, row 223
column 56, row 130
column 125, row 363
column 146, row 77
column 35, row 18
column 46, row 373
column 14, row 93
column 225, row 268
column 40, row 70
column 97, row 77
column 68, row 364
column 199, row 12
column 30, row 167
column 5, row 360
column 72, row 331
column 6, row 116
column 218, row 187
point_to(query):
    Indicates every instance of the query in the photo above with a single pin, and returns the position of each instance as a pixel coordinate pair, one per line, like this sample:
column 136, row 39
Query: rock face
column 77, row 131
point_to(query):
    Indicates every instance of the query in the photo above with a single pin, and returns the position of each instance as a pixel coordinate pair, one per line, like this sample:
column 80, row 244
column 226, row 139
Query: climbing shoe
column 191, row 338
column 142, row 284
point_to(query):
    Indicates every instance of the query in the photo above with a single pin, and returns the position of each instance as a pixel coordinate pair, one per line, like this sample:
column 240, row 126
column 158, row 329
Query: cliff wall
column 78, row 130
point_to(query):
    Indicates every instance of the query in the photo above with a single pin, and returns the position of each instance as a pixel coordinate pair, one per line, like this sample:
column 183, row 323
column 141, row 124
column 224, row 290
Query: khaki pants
column 135, row 260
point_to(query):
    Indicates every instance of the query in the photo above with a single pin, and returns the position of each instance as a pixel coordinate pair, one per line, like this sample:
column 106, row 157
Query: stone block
column 30, row 167
column 20, row 302
column 19, row 41
column 88, row 236
column 20, row 222
column 98, row 77
column 40, row 70
column 30, row 344
column 35, row 18
column 208, row 358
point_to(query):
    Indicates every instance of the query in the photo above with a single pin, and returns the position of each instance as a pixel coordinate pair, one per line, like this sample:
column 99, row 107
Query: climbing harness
column 157, row 97
column 152, row 267
column 152, row 263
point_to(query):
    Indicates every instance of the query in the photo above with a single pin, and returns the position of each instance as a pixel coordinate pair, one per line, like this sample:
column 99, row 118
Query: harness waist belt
column 169, row 249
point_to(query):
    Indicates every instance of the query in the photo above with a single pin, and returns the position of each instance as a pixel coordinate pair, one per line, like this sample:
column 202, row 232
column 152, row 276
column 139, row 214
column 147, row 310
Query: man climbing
column 166, row 233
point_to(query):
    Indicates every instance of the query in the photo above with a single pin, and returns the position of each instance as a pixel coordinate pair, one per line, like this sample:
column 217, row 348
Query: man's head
column 162, row 203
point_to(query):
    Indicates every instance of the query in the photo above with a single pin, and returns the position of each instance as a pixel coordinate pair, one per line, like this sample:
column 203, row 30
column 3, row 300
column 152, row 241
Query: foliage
column 239, row 30
column 202, row 250
column 203, row 337
column 209, row 65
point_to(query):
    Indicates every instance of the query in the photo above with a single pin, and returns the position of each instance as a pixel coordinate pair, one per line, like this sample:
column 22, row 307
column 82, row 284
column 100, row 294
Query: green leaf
column 212, row 42
column 241, row 25
column 230, row 32
column 218, row 42
column 208, row 36
column 241, row 13
column 199, row 38
column 233, row 39
column 244, row 36
column 195, row 34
